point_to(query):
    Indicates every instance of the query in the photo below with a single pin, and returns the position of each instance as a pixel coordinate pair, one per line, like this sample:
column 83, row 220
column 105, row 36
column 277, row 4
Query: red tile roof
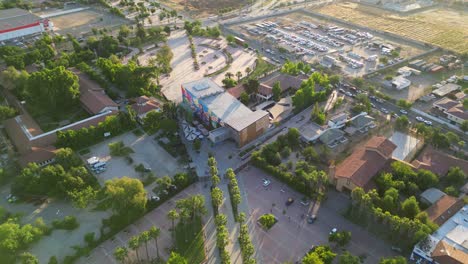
column 286, row 81
column 237, row 90
column 438, row 162
column 444, row 208
column 144, row 104
column 95, row 101
column 38, row 155
column 365, row 162
column 446, row 254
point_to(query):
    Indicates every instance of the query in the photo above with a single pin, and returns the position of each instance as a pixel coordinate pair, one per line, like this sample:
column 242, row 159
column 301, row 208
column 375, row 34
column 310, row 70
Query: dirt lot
column 291, row 237
column 147, row 152
column 442, row 27
column 82, row 22
column 200, row 8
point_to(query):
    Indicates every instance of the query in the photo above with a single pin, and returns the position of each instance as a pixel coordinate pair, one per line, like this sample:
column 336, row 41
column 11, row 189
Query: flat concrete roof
column 16, row 17
column 202, row 88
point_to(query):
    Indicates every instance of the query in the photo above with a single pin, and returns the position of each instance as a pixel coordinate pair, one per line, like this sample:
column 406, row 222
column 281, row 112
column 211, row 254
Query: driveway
column 291, row 237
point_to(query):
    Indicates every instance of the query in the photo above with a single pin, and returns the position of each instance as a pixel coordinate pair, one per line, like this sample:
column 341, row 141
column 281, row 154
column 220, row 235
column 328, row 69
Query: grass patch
column 190, row 241
column 261, row 67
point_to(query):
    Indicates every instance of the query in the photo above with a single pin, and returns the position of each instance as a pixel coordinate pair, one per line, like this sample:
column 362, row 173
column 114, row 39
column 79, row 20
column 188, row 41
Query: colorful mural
column 200, row 109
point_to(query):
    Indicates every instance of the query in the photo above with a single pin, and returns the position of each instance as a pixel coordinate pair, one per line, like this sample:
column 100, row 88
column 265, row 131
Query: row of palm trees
column 238, row 74
column 121, row 253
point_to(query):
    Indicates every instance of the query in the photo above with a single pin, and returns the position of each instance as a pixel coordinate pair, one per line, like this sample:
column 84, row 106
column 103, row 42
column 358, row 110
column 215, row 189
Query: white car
column 266, row 182
column 334, row 230
column 427, row 122
column 403, row 111
column 420, row 119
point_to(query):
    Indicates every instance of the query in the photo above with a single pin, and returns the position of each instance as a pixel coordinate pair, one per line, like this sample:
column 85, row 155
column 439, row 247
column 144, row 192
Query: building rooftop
column 331, row 135
column 339, row 117
column 446, row 103
column 458, row 111
column 444, row 253
column 361, row 121
column 231, row 111
column 401, row 81
column 444, row 208
column 202, row 88
column 438, row 162
column 311, row 131
column 446, row 89
column 432, row 195
column 365, row 162
column 16, row 17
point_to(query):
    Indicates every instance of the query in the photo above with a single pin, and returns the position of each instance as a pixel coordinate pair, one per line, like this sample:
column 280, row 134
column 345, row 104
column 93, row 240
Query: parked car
column 427, row 122
column 311, row 219
column 155, row 198
column 403, row 111
column 334, row 230
column 420, row 119
column 266, row 182
column 289, row 201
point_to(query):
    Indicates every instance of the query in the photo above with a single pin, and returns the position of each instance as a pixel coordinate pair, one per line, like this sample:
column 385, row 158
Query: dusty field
column 442, row 27
column 202, row 7
column 76, row 19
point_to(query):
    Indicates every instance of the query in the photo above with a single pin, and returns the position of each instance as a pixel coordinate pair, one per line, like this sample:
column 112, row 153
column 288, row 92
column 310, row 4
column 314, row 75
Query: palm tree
column 120, row 254
column 134, row 244
column 241, row 219
column 238, row 75
column 229, row 75
column 173, row 215
column 248, row 71
column 154, row 233
column 145, row 237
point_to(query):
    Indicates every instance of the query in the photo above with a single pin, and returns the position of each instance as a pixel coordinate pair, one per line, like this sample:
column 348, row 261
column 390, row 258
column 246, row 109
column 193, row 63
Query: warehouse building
column 222, row 112
column 16, row 22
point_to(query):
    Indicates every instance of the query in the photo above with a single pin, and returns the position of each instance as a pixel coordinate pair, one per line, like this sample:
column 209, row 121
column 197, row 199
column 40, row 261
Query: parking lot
column 147, row 151
column 291, row 237
column 299, row 35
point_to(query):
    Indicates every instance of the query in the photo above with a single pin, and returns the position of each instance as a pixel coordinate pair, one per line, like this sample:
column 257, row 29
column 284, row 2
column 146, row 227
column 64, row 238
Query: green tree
column 53, row 89
column 456, row 176
column 334, row 79
column 358, row 82
column 312, row 258
column 217, row 197
column 318, row 116
column 267, row 220
column 126, row 195
column 276, row 91
column 341, row 238
column 410, row 207
column 426, row 179
column 119, row 149
column 394, row 260
column 28, row 258
column 244, row 98
column 6, row 112
column 194, row 206
column 145, row 238
column 154, row 233
column 464, row 126
column 120, row 254
column 175, row 258
column 348, row 258
column 251, row 87
column 402, row 122
column 325, row 254
column 134, row 243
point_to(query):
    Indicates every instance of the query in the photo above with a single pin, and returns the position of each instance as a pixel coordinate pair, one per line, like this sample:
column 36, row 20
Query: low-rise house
column 362, row 122
column 362, row 165
column 448, row 244
column 332, row 137
column 265, row 89
column 438, row 162
column 400, row 82
column 338, row 121
column 444, row 208
column 143, row 105
column 453, row 109
column 92, row 97
column 446, row 89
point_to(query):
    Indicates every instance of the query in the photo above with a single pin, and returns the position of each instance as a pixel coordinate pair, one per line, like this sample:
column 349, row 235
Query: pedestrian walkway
column 212, row 252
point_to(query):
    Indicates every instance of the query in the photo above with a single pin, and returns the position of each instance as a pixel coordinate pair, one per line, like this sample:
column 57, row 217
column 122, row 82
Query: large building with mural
column 224, row 114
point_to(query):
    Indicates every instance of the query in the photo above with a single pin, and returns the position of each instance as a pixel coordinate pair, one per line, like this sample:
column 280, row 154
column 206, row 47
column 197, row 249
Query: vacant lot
column 442, row 27
column 202, row 7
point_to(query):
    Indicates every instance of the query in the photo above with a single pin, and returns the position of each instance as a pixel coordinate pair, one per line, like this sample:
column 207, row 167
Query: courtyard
column 146, row 151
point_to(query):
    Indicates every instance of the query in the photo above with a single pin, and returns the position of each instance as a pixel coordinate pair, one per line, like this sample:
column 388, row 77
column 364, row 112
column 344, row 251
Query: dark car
column 311, row 219
column 289, row 201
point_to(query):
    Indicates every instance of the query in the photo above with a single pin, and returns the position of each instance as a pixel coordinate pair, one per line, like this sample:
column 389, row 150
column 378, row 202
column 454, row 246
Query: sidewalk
column 212, row 252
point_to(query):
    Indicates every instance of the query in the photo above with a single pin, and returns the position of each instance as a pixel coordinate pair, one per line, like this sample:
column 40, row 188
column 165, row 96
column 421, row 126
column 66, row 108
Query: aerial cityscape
column 233, row 132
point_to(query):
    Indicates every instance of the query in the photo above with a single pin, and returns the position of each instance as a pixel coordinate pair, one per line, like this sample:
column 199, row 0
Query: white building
column 15, row 23
column 400, row 82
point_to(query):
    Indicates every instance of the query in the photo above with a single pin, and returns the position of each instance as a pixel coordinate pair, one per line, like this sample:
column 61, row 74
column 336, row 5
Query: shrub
column 119, row 149
column 267, row 221
column 68, row 223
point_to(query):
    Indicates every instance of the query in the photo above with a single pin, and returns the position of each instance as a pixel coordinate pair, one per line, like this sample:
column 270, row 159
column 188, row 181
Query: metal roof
column 16, row 17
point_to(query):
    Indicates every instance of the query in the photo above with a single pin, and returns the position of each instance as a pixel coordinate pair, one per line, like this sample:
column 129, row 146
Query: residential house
column 92, row 97
column 143, row 105
column 361, row 122
column 438, row 162
column 448, row 244
column 431, row 196
column 338, row 121
column 400, row 82
column 332, row 137
column 453, row 109
column 446, row 89
column 265, row 89
column 444, row 208
column 363, row 164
